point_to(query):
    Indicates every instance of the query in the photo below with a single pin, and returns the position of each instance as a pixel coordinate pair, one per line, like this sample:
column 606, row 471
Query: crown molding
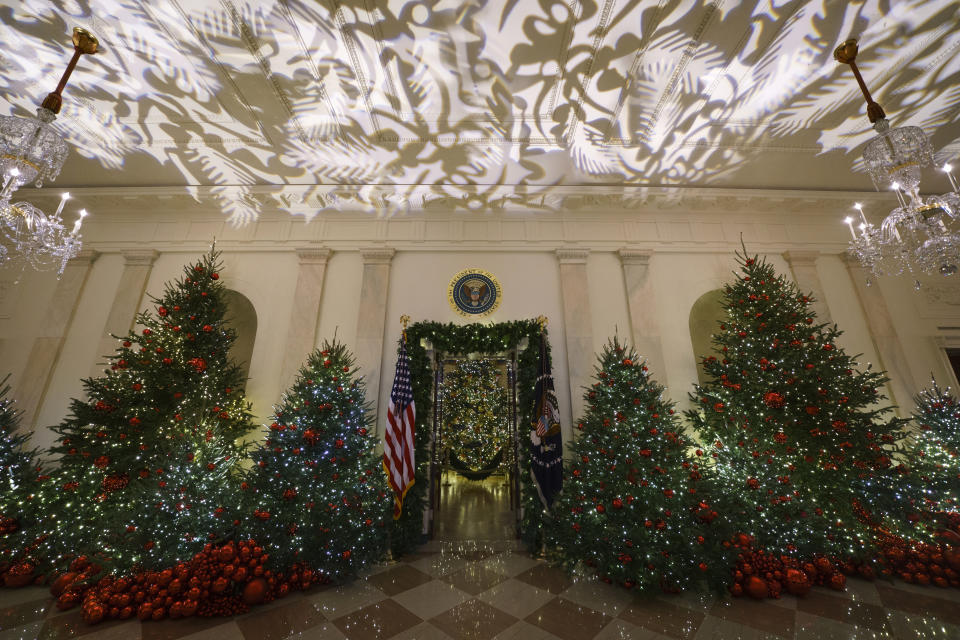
column 396, row 200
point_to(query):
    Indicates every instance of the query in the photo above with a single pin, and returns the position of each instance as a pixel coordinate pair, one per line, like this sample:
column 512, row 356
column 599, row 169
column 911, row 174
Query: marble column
column 642, row 305
column 137, row 264
column 371, row 319
column 577, row 323
column 33, row 381
column 902, row 385
column 804, row 267
column 305, row 316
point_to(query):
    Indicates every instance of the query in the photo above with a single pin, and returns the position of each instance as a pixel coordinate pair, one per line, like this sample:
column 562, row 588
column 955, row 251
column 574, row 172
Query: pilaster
column 305, row 315
column 137, row 264
column 804, row 267
column 577, row 322
column 45, row 352
column 902, row 385
column 371, row 318
column 642, row 305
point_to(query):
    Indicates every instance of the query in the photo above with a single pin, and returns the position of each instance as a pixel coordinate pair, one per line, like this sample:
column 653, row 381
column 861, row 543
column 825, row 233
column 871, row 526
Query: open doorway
column 474, row 470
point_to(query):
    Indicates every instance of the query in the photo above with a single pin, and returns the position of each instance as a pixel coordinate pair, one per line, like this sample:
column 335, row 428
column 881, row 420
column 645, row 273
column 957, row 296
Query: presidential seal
column 474, row 293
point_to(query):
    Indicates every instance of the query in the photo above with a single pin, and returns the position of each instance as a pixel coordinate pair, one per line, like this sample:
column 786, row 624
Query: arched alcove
column 705, row 315
column 242, row 318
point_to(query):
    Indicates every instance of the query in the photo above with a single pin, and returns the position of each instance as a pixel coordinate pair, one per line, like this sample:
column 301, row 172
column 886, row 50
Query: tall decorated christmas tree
column 793, row 426
column 632, row 508
column 19, row 472
column 935, row 456
column 148, row 460
column 475, row 416
column 316, row 495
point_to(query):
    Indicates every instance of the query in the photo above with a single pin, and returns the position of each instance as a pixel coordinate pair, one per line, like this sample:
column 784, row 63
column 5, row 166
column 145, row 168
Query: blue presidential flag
column 546, row 445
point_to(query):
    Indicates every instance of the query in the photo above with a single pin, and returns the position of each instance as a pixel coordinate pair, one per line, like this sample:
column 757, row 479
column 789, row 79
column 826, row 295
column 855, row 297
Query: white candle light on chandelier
column 859, row 207
column 948, row 169
column 76, row 225
column 896, row 189
column 63, row 201
column 8, row 183
column 849, row 222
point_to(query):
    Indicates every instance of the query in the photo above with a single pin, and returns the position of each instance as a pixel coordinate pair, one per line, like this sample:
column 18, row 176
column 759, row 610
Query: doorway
column 474, row 464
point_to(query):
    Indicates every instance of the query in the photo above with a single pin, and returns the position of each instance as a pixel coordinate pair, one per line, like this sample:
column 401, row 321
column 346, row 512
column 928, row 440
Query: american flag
column 398, row 445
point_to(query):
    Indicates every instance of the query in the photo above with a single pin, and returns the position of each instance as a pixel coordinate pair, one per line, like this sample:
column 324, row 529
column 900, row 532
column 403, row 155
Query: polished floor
column 485, row 588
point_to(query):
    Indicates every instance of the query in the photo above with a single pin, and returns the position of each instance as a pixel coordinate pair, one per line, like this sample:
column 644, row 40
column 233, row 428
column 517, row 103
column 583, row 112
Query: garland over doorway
column 461, row 340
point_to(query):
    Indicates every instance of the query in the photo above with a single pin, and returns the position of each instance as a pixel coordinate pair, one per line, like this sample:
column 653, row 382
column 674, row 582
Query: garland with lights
column 475, row 416
column 148, row 461
column 793, row 428
column 632, row 508
column 461, row 340
column 316, row 494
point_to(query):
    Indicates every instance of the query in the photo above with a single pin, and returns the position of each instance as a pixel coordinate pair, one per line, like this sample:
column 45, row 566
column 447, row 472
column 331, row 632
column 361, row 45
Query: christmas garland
column 460, row 340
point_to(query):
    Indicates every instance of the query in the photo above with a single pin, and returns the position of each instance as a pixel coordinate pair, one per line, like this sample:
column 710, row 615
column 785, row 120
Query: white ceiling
column 485, row 97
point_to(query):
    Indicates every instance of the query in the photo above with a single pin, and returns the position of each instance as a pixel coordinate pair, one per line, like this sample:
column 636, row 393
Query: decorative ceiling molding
column 389, row 200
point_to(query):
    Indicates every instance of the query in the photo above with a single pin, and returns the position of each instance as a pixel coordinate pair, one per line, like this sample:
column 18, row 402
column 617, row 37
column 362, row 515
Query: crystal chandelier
column 32, row 151
column 920, row 235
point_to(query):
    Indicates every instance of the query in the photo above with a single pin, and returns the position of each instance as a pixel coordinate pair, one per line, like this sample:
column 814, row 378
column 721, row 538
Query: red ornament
column 813, row 410
column 952, row 556
column 797, row 582
column 617, row 503
column 214, row 276
column 207, row 328
column 255, row 591
column 68, row 600
column 19, row 575
column 62, row 583
column 93, row 612
column 756, row 587
column 773, row 400
column 199, row 364
column 838, row 581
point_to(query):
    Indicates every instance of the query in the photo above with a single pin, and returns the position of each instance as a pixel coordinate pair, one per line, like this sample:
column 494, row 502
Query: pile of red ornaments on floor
column 219, row 581
column 766, row 575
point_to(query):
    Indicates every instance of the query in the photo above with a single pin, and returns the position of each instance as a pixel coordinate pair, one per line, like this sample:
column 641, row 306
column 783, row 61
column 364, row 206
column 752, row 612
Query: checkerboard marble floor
column 481, row 590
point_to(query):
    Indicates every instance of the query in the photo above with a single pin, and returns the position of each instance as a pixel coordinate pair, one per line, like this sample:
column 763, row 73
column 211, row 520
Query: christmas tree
column 475, row 415
column 935, row 456
column 793, row 426
column 148, row 459
column 631, row 507
column 18, row 467
column 316, row 494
